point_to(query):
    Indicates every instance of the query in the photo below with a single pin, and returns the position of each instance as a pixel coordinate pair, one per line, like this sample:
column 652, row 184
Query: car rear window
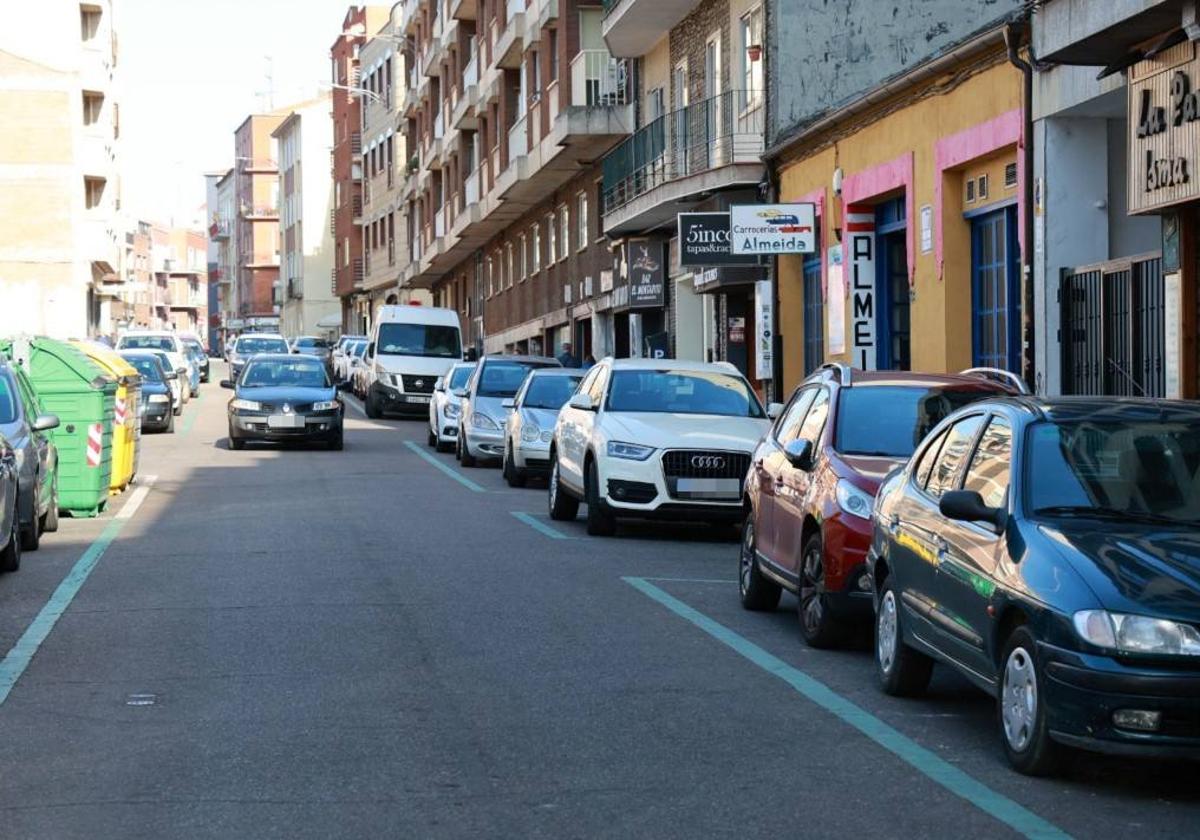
column 890, row 420
column 8, row 401
column 147, row 342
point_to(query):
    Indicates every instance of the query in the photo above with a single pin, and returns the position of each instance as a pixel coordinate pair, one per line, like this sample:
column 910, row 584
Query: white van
column 411, row 346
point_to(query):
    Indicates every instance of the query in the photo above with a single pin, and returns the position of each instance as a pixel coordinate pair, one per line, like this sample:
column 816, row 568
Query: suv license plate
column 709, row 488
column 285, row 421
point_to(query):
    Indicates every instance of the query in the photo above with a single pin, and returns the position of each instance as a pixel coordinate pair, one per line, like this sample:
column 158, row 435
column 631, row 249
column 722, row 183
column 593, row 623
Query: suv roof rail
column 841, row 369
column 998, row 375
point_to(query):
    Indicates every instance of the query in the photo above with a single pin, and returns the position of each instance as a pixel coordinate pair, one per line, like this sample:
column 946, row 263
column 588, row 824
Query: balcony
column 220, row 230
column 518, row 139
column 471, row 189
column 356, row 171
column 711, row 145
column 598, row 80
column 260, row 166
column 356, row 143
column 356, row 204
column 510, row 41
column 463, row 9
column 632, row 27
column 547, row 12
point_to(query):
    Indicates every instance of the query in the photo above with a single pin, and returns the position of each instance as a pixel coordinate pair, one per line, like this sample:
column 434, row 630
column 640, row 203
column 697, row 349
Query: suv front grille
column 418, row 384
column 705, row 474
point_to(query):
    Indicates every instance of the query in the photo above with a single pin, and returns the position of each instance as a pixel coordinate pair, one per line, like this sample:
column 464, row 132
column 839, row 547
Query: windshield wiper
column 1106, row 513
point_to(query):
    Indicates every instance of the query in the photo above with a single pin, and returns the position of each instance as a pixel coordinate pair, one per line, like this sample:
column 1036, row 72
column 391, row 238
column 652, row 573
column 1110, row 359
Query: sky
column 191, row 71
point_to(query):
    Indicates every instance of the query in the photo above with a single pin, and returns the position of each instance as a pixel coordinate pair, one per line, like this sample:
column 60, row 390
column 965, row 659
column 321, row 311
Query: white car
column 248, row 344
column 170, row 343
column 655, row 439
column 347, row 360
column 445, row 407
column 532, row 415
column 483, row 415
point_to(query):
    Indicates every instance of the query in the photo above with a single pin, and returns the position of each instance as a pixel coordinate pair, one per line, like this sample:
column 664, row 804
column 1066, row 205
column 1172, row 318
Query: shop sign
column 764, row 229
column 646, row 282
column 1164, row 110
column 704, row 240
column 860, row 245
column 737, row 330
column 764, row 330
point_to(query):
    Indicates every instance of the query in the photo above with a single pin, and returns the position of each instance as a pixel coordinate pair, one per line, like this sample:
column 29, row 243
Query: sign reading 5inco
column 772, row 228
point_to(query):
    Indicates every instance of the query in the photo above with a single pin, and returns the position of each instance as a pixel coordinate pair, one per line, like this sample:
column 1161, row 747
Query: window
column 752, row 47
column 655, row 104
column 346, row 252
column 488, row 275
column 928, row 457
column 814, row 421
column 553, row 55
column 958, row 443
column 890, row 420
column 93, row 104
column 988, row 472
column 508, row 264
column 93, row 192
column 522, row 263
column 788, row 427
column 564, row 229
column 89, row 22
column 551, row 240
column 536, row 254
column 680, row 84
column 581, row 211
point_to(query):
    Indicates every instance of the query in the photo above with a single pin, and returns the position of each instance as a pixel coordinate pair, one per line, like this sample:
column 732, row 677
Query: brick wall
column 688, row 41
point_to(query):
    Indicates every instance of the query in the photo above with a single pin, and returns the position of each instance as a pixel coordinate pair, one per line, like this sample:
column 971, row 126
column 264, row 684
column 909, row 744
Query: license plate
column 285, row 421
column 416, row 398
column 709, row 488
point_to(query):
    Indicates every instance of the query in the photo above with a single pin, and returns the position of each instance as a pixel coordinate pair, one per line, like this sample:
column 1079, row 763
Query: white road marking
column 139, row 495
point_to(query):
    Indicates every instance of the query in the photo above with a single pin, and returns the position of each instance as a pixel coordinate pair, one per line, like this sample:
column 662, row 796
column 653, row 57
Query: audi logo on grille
column 708, row 462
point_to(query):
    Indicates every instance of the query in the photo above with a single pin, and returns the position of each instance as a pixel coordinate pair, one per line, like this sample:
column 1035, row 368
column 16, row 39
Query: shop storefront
column 919, row 211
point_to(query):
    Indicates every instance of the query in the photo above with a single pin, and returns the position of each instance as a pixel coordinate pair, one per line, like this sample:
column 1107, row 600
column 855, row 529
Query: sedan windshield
column 318, row 343
column 459, row 377
column 890, row 420
column 286, row 373
column 249, row 346
column 432, row 340
column 1131, row 469
column 550, row 391
column 8, row 405
column 146, row 367
column 147, row 342
column 682, row 392
column 504, row 378
column 358, row 348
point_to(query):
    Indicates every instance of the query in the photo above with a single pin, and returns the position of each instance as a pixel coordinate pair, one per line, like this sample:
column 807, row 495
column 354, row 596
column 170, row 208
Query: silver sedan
column 529, row 426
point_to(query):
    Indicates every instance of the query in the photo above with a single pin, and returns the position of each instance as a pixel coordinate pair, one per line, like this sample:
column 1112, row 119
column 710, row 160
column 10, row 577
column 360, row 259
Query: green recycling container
column 83, row 396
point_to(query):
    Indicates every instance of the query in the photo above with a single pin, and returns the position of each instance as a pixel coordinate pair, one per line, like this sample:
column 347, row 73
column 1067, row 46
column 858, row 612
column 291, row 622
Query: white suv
column 655, row 439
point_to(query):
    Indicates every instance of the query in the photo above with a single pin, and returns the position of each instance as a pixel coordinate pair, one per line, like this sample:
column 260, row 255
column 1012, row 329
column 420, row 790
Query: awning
column 330, row 322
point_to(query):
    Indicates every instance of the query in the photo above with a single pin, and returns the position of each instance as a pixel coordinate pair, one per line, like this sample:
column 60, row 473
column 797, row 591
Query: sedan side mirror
column 774, row 410
column 799, row 453
column 45, row 422
column 510, row 404
column 968, row 506
column 227, row 383
column 439, row 385
column 371, row 350
column 582, row 402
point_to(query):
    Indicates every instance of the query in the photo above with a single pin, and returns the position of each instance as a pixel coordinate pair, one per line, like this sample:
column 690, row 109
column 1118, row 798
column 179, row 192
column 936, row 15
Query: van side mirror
column 799, row 453
column 582, row 402
column 968, row 506
column 45, row 422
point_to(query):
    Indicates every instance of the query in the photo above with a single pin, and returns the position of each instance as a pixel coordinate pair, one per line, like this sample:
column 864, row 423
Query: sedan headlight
column 530, row 433
column 1137, row 633
column 482, row 421
column 452, row 411
column 629, row 451
column 852, row 500
column 246, row 405
column 325, row 405
column 159, row 398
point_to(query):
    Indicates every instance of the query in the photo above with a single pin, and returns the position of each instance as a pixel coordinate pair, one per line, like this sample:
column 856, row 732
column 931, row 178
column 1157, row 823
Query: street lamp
column 369, row 94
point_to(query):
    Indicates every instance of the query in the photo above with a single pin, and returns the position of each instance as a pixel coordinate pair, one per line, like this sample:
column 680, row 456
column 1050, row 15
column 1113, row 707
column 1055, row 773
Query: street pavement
column 376, row 643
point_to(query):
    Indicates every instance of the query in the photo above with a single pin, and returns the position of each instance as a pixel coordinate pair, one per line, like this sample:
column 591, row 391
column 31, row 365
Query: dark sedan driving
column 1049, row 550
column 284, row 398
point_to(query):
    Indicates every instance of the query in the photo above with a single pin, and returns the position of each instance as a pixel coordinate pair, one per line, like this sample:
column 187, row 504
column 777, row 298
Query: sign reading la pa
column 773, row 228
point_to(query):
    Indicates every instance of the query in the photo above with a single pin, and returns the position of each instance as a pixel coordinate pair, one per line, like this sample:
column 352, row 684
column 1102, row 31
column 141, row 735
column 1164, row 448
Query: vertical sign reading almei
column 860, row 253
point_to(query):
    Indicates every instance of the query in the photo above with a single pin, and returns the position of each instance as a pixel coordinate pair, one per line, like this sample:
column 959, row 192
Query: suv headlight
column 481, row 421
column 246, row 405
column 852, row 500
column 453, row 410
column 1137, row 633
column 629, row 451
column 325, row 405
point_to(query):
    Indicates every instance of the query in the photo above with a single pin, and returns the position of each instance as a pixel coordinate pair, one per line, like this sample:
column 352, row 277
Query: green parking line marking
column 463, row 480
column 1012, row 814
column 726, row 581
column 189, row 421
column 540, row 526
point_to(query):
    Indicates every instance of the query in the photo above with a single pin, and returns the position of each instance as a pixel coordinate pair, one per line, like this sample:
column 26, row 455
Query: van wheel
column 372, row 407
column 563, row 507
column 902, row 671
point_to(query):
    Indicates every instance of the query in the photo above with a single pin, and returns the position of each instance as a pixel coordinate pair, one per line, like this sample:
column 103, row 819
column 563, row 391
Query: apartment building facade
column 507, row 108
column 61, row 249
column 697, row 148
column 223, row 220
column 305, row 296
column 345, row 220
column 256, row 231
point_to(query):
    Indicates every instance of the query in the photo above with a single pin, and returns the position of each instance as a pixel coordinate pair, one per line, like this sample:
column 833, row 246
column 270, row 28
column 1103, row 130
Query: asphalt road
column 300, row 643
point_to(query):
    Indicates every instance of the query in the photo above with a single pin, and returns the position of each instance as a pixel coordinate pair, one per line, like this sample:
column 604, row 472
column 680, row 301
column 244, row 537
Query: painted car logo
column 708, row 462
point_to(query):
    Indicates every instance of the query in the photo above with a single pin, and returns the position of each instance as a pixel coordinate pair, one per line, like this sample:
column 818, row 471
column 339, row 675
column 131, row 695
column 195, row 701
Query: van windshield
column 432, row 340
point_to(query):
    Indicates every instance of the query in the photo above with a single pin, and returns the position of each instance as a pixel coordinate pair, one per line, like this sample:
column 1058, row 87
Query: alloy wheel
column 812, row 588
column 553, row 483
column 887, row 631
column 746, row 561
column 1019, row 699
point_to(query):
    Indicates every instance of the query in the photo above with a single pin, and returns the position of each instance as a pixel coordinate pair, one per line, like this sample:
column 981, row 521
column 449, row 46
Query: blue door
column 995, row 290
column 814, row 314
column 892, row 330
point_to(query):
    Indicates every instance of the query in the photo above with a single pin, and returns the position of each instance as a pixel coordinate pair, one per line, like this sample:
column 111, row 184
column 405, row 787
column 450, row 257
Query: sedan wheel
column 1026, row 738
column 10, row 557
column 817, row 626
column 901, row 670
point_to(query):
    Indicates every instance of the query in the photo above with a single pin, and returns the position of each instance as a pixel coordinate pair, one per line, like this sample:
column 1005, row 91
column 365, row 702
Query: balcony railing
column 518, row 139
column 598, row 79
column 471, row 188
column 513, row 8
column 356, row 143
column 470, row 74
column 439, row 223
column 724, row 129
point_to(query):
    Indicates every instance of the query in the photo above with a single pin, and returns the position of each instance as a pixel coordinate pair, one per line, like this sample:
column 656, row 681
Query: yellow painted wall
column 940, row 312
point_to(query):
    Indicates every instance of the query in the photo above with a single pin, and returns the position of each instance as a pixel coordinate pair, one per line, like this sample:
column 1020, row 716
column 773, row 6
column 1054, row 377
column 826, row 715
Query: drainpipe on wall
column 771, row 182
column 1013, row 35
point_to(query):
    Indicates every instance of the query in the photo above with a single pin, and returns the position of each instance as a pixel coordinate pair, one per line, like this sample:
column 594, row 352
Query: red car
column 813, row 480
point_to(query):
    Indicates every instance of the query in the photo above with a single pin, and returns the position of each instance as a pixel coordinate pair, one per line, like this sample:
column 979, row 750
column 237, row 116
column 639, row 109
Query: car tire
column 444, row 447
column 563, row 506
column 372, row 407
column 512, row 475
column 600, row 519
column 338, row 442
column 10, row 557
column 818, row 627
column 49, row 520
column 236, row 444
column 31, row 537
column 464, row 455
column 902, row 670
column 177, row 411
column 756, row 591
column 170, row 427
column 1021, row 708
column 432, row 439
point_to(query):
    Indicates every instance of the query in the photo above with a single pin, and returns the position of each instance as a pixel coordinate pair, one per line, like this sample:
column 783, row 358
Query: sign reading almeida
column 772, row 228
